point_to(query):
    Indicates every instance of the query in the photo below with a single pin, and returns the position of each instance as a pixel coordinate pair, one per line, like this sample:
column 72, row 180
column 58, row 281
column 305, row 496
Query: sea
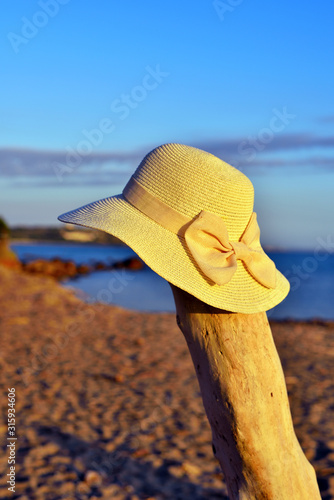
column 311, row 276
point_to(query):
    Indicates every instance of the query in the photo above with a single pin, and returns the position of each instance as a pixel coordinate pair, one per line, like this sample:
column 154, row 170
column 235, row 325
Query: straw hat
column 189, row 216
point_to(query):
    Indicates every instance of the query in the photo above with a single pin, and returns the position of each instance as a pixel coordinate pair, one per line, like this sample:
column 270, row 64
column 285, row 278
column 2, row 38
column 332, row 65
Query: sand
column 108, row 404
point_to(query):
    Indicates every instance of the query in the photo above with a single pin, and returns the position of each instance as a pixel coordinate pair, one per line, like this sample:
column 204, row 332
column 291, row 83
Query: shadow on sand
column 117, row 467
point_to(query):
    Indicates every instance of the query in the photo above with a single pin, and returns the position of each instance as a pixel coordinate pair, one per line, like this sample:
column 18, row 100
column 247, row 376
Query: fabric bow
column 208, row 241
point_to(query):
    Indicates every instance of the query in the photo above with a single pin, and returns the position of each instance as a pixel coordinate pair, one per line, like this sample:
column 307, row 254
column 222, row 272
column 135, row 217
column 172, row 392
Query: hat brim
column 167, row 254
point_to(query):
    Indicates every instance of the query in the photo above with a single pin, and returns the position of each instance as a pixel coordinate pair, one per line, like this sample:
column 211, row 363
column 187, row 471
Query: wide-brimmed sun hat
column 189, row 216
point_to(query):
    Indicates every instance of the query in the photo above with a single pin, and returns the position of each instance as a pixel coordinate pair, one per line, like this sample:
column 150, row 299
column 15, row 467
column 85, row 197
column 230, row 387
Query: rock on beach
column 60, row 269
column 108, row 405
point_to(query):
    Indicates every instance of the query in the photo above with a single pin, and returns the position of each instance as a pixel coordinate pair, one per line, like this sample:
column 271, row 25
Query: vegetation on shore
column 8, row 258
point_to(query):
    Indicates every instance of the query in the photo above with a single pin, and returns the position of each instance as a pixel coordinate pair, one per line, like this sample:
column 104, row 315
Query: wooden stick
column 245, row 399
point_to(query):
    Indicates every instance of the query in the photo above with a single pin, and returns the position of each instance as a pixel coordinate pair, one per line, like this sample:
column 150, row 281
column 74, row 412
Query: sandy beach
column 108, row 404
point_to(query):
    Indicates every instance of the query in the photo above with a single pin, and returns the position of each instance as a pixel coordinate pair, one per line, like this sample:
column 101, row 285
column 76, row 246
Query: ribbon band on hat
column 154, row 208
column 207, row 239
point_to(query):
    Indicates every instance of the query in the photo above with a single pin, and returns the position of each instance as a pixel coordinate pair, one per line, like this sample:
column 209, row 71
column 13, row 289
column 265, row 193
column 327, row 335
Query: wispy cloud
column 16, row 162
column 326, row 119
column 280, row 142
column 311, row 161
column 88, row 178
column 113, row 167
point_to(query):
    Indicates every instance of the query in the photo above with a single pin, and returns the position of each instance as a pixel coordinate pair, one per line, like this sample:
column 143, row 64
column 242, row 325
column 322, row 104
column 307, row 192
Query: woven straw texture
column 188, row 180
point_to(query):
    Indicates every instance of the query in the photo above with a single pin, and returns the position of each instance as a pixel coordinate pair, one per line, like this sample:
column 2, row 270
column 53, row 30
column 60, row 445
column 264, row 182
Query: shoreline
column 13, row 241
column 58, row 270
column 119, row 243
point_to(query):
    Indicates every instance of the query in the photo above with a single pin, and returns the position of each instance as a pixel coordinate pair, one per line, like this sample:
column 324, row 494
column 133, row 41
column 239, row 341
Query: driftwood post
column 245, row 399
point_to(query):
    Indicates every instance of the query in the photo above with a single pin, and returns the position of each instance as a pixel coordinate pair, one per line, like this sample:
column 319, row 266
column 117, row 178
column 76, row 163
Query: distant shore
column 66, row 233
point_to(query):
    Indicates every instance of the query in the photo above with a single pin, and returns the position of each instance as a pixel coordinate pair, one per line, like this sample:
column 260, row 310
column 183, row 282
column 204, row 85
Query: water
column 311, row 276
column 78, row 252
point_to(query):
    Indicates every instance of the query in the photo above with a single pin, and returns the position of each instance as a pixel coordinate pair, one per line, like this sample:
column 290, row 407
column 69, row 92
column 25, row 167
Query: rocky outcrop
column 60, row 269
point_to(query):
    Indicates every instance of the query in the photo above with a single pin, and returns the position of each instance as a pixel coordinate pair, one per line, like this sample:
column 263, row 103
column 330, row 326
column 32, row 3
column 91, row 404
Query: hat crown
column 190, row 180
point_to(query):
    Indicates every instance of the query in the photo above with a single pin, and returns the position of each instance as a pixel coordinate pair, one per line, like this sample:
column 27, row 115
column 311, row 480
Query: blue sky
column 88, row 88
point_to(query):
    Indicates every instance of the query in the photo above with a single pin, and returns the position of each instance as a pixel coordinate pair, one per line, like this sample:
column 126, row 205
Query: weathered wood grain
column 245, row 399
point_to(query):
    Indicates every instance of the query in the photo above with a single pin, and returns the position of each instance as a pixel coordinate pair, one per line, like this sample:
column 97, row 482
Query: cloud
column 89, row 178
column 16, row 162
column 326, row 119
column 47, row 167
column 312, row 161
column 279, row 142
